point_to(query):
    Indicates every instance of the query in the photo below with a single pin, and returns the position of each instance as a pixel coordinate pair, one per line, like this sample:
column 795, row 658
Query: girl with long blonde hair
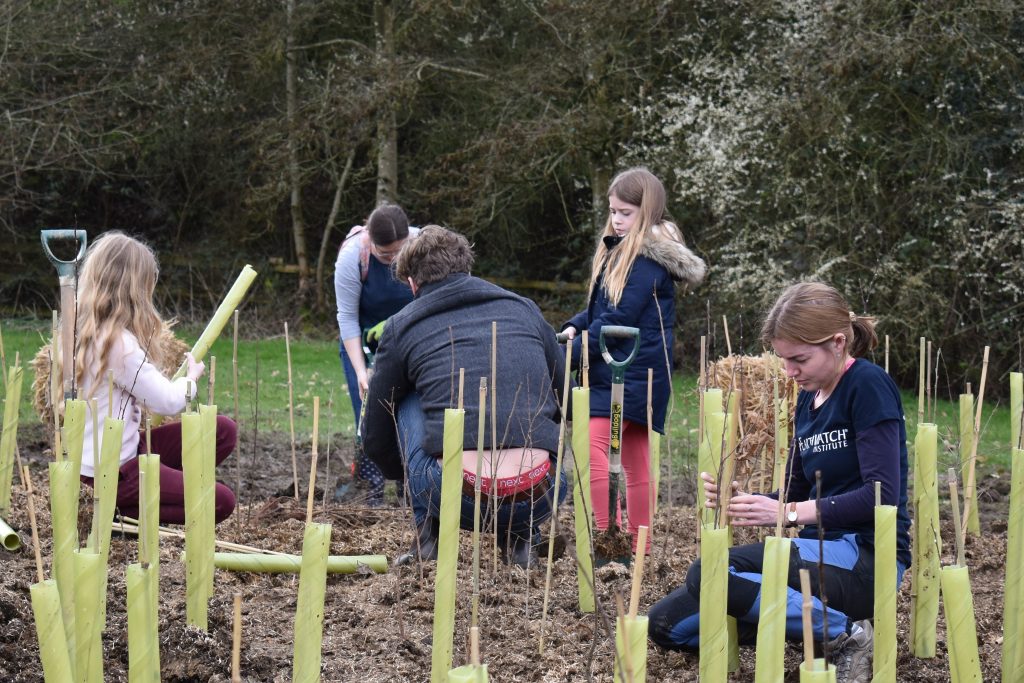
column 638, row 261
column 117, row 350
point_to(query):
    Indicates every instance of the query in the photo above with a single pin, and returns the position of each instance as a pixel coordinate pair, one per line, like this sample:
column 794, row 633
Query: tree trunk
column 321, row 302
column 294, row 173
column 387, row 120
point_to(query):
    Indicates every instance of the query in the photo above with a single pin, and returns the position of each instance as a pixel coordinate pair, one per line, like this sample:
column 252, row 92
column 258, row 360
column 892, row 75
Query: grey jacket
column 448, row 327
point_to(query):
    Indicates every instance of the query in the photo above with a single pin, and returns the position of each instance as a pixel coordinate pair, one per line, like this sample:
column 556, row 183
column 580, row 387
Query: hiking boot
column 425, row 545
column 851, row 653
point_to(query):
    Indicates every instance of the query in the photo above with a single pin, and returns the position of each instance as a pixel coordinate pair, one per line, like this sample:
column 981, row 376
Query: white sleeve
column 137, row 376
column 348, row 285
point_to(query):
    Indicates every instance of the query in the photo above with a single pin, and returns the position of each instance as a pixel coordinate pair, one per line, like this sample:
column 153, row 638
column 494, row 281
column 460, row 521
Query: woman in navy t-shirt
column 849, row 425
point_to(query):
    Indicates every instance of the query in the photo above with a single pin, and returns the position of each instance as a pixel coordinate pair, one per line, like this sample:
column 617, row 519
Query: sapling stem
column 954, row 500
column 236, row 637
column 291, row 411
column 32, row 519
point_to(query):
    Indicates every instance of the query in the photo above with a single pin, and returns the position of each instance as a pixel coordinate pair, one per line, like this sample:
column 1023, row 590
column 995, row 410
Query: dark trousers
column 849, row 586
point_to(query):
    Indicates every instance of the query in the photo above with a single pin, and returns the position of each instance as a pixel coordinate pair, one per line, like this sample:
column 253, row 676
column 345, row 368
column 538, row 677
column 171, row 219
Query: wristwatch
column 791, row 515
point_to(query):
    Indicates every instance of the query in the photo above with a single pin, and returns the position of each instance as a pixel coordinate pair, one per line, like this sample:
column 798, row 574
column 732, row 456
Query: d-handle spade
column 67, row 275
column 618, row 368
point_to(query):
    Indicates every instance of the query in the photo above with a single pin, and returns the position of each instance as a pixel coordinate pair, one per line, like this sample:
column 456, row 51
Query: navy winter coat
column 648, row 303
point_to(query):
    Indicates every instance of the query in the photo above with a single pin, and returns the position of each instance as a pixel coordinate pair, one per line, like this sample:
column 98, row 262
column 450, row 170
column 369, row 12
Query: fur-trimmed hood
column 681, row 263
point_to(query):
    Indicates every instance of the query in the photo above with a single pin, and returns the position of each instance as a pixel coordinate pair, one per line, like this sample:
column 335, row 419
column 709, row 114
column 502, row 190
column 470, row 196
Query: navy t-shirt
column 856, row 437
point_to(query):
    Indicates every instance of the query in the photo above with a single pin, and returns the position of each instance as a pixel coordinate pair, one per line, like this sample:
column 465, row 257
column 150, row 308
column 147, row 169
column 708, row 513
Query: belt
column 538, row 491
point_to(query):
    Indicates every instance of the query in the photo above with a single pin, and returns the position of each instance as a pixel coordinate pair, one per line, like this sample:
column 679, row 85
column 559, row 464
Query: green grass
column 316, row 371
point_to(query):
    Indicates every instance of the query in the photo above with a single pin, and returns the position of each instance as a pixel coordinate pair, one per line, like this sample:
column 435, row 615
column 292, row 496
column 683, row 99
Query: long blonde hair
column 813, row 313
column 115, row 293
column 641, row 188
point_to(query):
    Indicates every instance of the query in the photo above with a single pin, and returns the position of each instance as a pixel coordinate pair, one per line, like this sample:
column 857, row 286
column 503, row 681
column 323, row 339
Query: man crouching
column 447, row 327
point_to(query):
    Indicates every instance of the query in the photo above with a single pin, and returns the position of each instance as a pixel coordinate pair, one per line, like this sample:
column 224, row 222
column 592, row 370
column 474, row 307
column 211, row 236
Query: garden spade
column 618, row 368
column 67, row 274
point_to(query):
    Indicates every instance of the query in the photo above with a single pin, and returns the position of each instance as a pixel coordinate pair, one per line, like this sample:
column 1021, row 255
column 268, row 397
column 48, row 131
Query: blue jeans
column 423, row 472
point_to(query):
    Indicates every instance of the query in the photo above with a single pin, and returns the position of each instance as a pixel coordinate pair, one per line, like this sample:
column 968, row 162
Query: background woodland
column 873, row 144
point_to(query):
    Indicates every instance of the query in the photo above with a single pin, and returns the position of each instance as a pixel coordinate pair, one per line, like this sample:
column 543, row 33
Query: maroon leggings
column 167, row 442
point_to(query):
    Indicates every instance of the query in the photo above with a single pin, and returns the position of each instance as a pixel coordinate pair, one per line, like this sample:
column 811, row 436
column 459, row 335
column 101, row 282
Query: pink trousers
column 636, row 466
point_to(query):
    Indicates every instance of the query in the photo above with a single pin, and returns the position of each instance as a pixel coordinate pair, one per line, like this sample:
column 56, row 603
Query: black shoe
column 424, row 546
column 519, row 551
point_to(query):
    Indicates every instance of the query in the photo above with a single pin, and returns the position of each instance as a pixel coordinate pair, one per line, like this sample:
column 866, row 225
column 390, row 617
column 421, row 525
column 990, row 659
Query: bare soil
column 379, row 627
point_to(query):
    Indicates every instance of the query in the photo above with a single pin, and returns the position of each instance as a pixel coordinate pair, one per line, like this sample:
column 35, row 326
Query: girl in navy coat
column 638, row 261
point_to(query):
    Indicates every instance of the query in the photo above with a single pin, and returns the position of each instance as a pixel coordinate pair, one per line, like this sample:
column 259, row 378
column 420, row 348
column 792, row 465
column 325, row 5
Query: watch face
column 791, row 516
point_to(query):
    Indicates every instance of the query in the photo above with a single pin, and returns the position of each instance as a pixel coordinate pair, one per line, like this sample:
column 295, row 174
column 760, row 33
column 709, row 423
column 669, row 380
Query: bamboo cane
column 805, row 589
column 954, row 501
column 236, row 415
column 928, row 383
column 494, row 438
column 922, row 380
column 131, row 526
column 477, row 491
column 312, row 464
column 208, row 420
column 212, row 381
column 887, row 354
column 970, row 494
column 291, row 411
column 554, row 496
column 236, row 634
column 725, row 328
column 966, row 444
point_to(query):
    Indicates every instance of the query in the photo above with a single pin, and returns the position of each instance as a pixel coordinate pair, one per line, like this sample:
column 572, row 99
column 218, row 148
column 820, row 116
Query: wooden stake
column 494, row 439
column 94, row 407
column 143, row 521
column 128, row 525
column 291, row 411
column 477, row 492
column 638, row 572
column 651, row 476
column 725, row 328
column 236, row 638
column 954, row 499
column 35, row 529
column 213, row 381
column 585, row 359
column 878, row 493
column 312, row 465
column 56, row 398
column 805, row 588
column 474, row 645
column 969, row 492
column 110, row 394
column 887, row 354
column 462, row 385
